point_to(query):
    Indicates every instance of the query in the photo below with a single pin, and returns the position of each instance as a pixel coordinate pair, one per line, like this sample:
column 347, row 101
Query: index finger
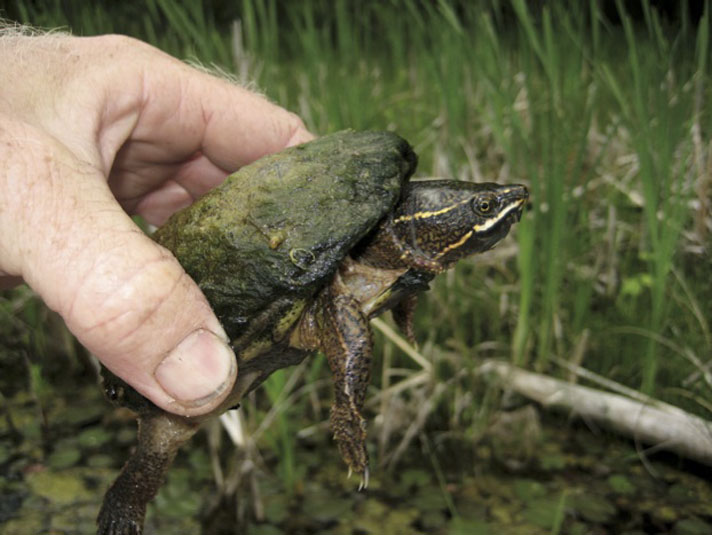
column 186, row 111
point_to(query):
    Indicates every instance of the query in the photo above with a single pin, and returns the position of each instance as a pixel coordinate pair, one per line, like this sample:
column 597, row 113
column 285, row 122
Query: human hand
column 91, row 131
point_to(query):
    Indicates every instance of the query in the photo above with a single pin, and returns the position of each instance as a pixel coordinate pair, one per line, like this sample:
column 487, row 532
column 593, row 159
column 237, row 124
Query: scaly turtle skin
column 295, row 254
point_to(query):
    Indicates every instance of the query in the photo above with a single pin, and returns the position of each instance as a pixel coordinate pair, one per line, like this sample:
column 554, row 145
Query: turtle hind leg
column 348, row 345
column 124, row 507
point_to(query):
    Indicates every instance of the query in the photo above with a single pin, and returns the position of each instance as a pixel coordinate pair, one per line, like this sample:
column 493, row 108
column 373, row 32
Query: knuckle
column 142, row 310
column 296, row 130
column 115, row 43
column 119, row 307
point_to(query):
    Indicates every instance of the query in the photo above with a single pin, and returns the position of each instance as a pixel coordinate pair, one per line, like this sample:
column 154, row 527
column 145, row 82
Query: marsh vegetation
column 604, row 115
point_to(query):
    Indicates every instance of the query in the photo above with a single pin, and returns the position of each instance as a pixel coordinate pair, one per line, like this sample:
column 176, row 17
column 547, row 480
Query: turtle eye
column 484, row 206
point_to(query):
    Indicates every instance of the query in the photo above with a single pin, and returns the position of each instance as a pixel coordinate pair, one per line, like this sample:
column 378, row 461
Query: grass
column 604, row 120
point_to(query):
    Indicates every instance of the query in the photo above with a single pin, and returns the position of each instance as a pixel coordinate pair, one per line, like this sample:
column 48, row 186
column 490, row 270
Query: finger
column 157, row 193
column 159, row 205
column 124, row 297
column 151, row 112
column 229, row 124
column 252, row 123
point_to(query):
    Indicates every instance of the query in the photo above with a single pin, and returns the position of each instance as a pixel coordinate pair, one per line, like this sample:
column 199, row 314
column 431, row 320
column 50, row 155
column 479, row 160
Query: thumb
column 124, row 297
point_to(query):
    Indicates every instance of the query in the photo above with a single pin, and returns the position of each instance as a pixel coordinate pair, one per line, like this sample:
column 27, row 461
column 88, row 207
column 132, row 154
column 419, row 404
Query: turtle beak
column 515, row 195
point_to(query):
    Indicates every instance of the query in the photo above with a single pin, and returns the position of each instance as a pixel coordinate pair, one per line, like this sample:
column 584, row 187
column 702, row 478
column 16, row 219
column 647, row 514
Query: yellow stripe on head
column 488, row 224
column 434, row 213
column 455, row 245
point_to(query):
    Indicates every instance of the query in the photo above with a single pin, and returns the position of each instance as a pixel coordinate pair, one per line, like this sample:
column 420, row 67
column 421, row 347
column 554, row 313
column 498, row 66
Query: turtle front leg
column 159, row 437
column 403, row 314
column 348, row 344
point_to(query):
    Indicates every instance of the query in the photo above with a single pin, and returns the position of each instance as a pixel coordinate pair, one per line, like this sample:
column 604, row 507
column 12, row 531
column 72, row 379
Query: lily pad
column 400, row 520
column 77, row 520
column 621, row 484
column 94, row 437
column 23, row 525
column 4, row 453
column 552, row 461
column 324, row 508
column 692, row 526
column 430, row 499
column 432, row 521
column 100, row 460
column 528, row 489
column 463, row 526
column 127, row 435
column 276, row 508
column 63, row 487
column 11, row 499
column 265, row 529
column 74, row 415
column 680, row 493
column 593, row 507
column 666, row 513
column 414, row 477
column 542, row 512
column 199, row 460
column 64, row 457
column 502, row 513
column 175, row 498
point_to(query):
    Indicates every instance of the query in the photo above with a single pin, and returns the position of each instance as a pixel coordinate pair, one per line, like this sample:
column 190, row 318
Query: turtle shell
column 278, row 228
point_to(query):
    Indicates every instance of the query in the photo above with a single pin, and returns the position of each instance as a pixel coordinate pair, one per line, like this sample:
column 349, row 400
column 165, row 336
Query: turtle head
column 438, row 222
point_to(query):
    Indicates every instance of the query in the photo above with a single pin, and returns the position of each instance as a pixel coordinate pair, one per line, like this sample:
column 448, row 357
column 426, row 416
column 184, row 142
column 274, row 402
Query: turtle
column 296, row 253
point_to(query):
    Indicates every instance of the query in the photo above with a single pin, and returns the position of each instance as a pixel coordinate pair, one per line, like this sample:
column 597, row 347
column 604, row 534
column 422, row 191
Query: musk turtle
column 295, row 253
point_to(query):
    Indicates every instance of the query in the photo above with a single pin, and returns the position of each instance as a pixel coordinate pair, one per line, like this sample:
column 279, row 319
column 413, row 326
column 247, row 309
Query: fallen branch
column 664, row 426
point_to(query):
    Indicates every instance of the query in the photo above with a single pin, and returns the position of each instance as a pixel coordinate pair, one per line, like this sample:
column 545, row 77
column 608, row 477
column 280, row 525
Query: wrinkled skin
column 296, row 253
column 94, row 130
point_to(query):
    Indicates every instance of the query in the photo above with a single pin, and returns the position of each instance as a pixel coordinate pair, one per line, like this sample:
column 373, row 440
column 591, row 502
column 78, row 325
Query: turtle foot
column 349, row 430
column 116, row 520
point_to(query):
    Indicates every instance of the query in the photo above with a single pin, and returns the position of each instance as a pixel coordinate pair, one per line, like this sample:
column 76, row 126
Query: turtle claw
column 363, row 484
column 364, row 480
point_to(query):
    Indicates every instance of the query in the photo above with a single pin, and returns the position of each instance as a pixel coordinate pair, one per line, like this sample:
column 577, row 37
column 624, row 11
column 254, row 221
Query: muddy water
column 532, row 475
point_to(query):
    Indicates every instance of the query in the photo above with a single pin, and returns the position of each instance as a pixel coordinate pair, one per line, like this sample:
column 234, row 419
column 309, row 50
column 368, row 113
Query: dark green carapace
column 281, row 226
column 296, row 253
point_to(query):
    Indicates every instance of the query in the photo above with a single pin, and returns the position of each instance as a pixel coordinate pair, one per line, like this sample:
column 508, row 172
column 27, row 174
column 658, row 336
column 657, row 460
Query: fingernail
column 198, row 370
column 300, row 136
